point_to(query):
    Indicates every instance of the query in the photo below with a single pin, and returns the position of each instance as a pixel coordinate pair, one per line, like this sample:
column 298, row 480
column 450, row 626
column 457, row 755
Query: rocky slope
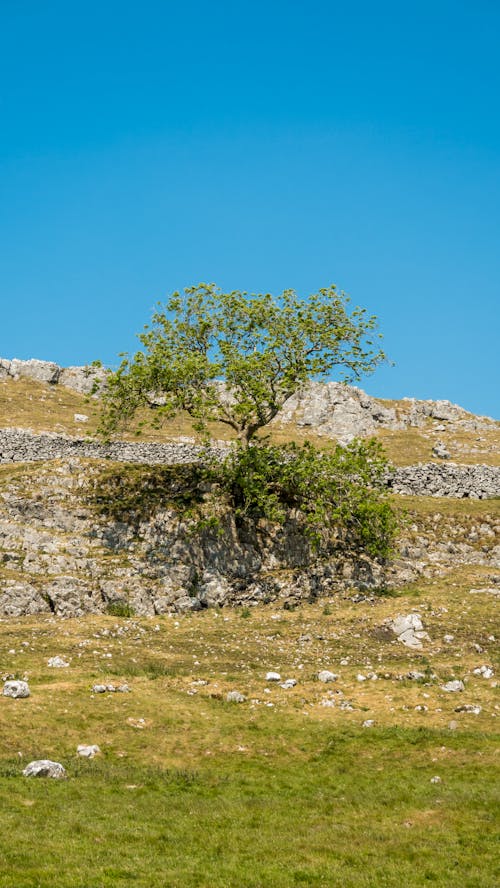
column 329, row 409
column 58, row 555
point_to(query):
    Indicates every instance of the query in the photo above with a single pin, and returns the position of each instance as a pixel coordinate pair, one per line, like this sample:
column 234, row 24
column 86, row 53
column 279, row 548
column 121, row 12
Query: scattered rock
column 273, row 676
column 489, row 591
column 16, row 689
column 484, row 671
column 469, row 707
column 45, row 768
column 57, row 663
column 451, row 687
column 289, row 683
column 435, row 779
column 325, row 675
column 409, row 630
column 441, row 451
column 368, row 723
column 235, row 697
column 88, row 751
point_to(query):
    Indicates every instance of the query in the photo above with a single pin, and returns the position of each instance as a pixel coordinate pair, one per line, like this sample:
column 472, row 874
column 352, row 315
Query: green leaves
column 235, row 358
column 338, row 495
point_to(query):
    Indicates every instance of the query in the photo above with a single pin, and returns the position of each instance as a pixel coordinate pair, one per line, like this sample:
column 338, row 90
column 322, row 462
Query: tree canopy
column 236, row 358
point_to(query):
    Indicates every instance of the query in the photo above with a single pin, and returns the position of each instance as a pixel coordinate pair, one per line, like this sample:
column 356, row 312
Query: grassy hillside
column 28, row 404
column 286, row 788
column 375, row 780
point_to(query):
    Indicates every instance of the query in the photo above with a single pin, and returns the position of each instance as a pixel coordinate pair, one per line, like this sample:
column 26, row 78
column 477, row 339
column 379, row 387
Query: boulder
column 57, row 663
column 452, row 687
column 45, row 768
column 273, row 676
column 40, row 371
column 235, row 697
column 88, row 751
column 409, row 630
column 16, row 688
column 325, row 676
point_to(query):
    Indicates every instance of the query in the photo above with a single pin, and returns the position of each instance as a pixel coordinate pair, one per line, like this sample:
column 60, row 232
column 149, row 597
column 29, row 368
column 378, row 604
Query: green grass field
column 287, row 788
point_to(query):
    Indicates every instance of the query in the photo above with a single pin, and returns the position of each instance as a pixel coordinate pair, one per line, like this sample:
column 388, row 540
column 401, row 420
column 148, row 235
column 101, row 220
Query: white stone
column 451, row 687
column 57, row 663
column 88, row 751
column 436, row 779
column 80, row 417
column 469, row 707
column 325, row 675
column 288, row 683
column 16, row 688
column 45, row 768
column 273, row 676
column 485, row 671
column 235, row 697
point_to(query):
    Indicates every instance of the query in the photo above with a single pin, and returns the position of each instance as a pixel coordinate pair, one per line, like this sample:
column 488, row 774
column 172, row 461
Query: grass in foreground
column 193, row 791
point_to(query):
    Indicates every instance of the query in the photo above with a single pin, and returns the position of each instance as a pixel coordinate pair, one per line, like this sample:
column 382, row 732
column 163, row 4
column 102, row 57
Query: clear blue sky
column 146, row 146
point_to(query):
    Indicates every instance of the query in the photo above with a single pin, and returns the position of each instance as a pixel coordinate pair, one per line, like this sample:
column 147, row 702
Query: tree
column 236, row 358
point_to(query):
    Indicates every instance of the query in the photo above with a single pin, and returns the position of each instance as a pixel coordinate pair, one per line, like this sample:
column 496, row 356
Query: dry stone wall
column 427, row 479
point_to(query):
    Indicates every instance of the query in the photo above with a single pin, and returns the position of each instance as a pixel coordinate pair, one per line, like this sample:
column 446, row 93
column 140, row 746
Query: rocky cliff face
column 57, row 555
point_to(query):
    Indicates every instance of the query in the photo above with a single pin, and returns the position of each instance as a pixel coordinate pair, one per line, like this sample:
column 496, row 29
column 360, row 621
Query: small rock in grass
column 453, row 725
column 289, row 683
column 273, row 676
column 45, row 768
column 124, row 689
column 448, row 638
column 16, row 688
column 325, row 676
column 468, row 707
column 99, row 689
column 415, row 676
column 452, row 687
column 409, row 630
column 57, row 663
column 421, row 707
column 368, row 723
column 485, row 671
column 235, row 697
column 360, row 677
column 88, row 751
column 435, row 779
column 346, row 706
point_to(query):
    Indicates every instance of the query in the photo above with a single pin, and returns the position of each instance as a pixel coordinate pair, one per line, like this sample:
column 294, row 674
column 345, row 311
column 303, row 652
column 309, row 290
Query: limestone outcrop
column 57, row 555
column 331, row 409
